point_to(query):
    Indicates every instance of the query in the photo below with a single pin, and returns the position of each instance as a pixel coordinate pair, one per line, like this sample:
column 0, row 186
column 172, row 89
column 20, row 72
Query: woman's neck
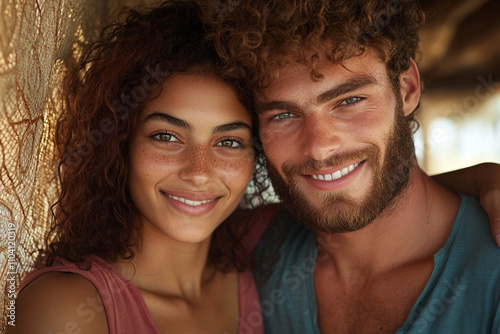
column 166, row 267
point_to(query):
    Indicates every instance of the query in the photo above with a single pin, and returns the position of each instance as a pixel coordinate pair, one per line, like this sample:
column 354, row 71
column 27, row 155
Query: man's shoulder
column 471, row 255
column 471, row 233
column 463, row 293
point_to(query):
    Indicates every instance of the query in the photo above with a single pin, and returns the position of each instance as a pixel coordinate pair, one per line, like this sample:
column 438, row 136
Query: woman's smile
column 191, row 157
column 194, row 204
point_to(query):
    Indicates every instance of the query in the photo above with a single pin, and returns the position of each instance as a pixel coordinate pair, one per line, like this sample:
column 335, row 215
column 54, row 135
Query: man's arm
column 482, row 181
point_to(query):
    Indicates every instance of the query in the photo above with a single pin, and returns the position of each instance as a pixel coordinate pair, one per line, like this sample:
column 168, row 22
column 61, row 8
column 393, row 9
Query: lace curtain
column 36, row 36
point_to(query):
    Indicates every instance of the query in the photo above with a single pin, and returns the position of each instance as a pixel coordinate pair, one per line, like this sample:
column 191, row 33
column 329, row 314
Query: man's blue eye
column 284, row 115
column 351, row 100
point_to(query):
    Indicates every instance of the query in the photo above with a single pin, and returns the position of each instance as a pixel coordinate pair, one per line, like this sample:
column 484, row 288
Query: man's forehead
column 311, row 60
column 296, row 75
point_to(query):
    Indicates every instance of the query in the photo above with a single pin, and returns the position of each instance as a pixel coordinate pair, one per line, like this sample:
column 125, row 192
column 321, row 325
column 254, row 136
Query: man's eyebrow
column 329, row 95
column 167, row 118
column 231, row 126
column 262, row 108
column 345, row 88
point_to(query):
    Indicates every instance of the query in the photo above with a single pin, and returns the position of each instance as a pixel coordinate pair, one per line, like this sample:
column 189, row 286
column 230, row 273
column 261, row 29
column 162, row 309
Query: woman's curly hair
column 257, row 37
column 103, row 92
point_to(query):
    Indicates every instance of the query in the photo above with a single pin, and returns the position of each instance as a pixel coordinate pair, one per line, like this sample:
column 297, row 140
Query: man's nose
column 320, row 137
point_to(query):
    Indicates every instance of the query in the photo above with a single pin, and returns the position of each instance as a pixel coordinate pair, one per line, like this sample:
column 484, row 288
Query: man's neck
column 412, row 229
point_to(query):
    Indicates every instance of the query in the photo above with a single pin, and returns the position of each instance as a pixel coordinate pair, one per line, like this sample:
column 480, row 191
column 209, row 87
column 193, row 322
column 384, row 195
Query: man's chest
column 379, row 306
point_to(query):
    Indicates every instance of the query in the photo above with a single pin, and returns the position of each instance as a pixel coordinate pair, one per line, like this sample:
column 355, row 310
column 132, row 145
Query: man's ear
column 409, row 82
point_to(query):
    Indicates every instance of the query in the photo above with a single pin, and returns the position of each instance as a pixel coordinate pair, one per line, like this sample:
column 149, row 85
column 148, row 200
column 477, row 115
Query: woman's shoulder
column 59, row 302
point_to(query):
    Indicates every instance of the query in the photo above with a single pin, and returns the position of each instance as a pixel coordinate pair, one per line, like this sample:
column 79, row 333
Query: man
column 388, row 249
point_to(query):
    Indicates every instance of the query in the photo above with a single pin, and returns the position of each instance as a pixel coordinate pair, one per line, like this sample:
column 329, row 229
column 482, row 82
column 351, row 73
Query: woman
column 156, row 153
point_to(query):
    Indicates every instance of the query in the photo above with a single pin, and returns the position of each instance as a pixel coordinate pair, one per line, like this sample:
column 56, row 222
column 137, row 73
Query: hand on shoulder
column 59, row 302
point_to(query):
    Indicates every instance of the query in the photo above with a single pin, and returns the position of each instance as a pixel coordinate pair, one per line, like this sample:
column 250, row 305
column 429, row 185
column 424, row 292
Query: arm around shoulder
column 59, row 303
column 482, row 181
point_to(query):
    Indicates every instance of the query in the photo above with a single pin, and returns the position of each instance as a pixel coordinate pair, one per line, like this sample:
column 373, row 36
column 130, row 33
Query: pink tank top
column 125, row 308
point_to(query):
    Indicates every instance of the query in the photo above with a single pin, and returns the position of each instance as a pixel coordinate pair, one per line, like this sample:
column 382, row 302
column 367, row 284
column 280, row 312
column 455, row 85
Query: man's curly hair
column 257, row 37
column 103, row 91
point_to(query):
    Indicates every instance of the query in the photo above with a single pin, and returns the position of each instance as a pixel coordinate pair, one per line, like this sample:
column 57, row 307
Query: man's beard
column 339, row 213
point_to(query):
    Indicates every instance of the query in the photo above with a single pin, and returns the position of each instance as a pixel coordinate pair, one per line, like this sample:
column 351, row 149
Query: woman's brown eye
column 230, row 143
column 165, row 137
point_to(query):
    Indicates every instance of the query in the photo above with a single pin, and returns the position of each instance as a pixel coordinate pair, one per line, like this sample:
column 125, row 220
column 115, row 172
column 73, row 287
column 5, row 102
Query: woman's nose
column 198, row 165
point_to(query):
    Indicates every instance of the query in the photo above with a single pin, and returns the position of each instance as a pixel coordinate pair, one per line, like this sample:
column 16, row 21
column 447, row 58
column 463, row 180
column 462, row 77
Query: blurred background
column 460, row 66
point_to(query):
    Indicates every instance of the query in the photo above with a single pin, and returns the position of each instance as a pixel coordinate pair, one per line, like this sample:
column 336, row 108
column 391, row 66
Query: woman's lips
column 189, row 201
column 192, row 204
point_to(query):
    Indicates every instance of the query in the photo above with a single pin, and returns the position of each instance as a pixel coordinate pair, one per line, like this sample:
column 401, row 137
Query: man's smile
column 335, row 175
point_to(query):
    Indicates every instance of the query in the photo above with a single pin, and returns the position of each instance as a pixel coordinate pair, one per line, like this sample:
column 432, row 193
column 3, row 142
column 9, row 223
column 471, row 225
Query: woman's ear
column 409, row 82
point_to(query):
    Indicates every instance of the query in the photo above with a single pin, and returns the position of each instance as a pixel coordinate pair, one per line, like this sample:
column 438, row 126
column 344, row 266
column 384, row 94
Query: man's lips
column 331, row 176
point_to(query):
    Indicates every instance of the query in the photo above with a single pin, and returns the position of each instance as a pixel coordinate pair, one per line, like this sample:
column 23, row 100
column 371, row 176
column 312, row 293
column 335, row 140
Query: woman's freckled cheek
column 238, row 169
column 153, row 163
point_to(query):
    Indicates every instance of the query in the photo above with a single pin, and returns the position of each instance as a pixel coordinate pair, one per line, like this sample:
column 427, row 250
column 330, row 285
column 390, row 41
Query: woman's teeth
column 190, row 202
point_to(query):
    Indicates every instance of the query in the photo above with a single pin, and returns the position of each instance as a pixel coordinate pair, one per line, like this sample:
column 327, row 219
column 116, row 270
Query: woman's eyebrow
column 167, row 118
column 185, row 125
column 231, row 126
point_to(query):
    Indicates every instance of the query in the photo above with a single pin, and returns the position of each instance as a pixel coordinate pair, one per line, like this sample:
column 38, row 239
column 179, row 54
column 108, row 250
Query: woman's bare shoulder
column 59, row 302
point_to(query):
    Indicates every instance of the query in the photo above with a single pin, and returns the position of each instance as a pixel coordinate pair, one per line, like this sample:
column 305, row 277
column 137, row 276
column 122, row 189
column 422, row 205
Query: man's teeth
column 190, row 202
column 337, row 175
